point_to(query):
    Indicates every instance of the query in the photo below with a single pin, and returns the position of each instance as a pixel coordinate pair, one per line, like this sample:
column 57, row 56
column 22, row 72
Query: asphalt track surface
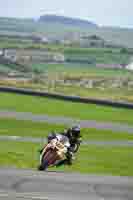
column 27, row 184
column 118, row 127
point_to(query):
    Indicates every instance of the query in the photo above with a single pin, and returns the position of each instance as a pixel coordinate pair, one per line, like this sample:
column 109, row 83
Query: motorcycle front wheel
column 43, row 166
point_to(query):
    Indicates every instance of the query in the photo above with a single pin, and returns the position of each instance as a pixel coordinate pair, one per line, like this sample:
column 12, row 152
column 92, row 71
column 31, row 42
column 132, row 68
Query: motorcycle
column 52, row 153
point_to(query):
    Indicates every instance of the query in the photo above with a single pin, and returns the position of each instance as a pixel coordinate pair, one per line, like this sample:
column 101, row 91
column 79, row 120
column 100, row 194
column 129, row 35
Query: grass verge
column 25, row 103
column 38, row 129
column 91, row 159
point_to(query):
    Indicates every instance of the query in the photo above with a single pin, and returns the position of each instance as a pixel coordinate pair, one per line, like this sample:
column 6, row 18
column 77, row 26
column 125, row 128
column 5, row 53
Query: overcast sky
column 102, row 12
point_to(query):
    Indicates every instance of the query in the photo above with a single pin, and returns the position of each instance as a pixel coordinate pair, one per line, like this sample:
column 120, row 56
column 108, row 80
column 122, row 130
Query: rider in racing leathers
column 73, row 134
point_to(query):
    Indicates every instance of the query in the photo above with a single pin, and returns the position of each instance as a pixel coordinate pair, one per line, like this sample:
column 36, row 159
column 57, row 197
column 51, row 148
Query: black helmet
column 75, row 131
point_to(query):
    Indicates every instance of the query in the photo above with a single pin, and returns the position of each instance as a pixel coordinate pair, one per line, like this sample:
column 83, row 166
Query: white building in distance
column 130, row 65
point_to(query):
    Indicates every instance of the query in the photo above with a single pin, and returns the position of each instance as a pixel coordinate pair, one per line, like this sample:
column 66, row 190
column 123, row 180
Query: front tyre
column 43, row 166
column 40, row 168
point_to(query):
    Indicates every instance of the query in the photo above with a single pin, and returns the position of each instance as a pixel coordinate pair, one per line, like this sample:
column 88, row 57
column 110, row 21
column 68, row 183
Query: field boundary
column 67, row 98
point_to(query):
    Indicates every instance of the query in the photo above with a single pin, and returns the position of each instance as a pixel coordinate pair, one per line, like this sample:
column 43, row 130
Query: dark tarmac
column 27, row 184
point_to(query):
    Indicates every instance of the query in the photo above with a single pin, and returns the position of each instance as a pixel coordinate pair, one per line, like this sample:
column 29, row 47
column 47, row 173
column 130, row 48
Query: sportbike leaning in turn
column 60, row 148
column 54, row 152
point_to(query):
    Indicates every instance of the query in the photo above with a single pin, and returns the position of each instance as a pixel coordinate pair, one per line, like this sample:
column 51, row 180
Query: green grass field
column 92, row 159
column 23, row 103
column 82, row 70
column 12, row 127
column 102, row 55
column 76, row 69
column 95, row 55
column 4, row 68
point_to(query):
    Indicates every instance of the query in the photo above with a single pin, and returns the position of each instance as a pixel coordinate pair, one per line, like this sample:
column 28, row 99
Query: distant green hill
column 68, row 21
column 60, row 26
